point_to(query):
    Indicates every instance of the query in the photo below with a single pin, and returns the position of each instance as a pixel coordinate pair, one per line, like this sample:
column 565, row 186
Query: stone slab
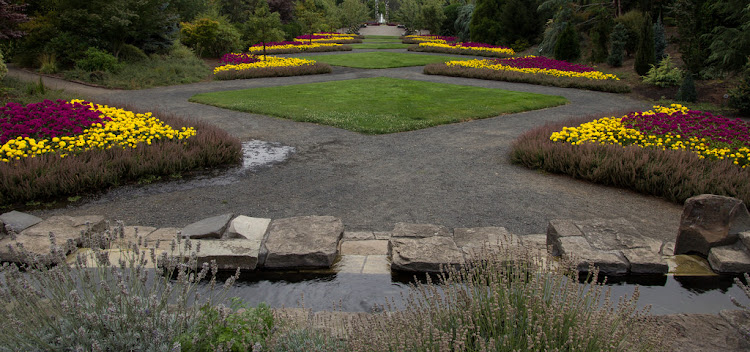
column 85, row 256
column 645, row 261
column 403, row 229
column 667, row 248
column 557, row 229
column 212, row 227
column 365, row 247
column 302, row 242
column 36, row 239
column 609, row 263
column 131, row 234
column 383, row 235
column 701, row 333
column 17, row 221
column 536, row 243
column 358, row 235
column 730, row 259
column 350, row 264
column 745, row 238
column 228, row 254
column 249, row 228
column 425, row 254
column 482, row 236
column 377, row 264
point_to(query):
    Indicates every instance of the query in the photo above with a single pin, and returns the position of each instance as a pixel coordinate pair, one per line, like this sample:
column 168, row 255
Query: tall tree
column 432, row 15
column 309, row 17
column 485, row 27
column 730, row 39
column 463, row 22
column 410, row 15
column 644, row 57
column 264, row 26
column 353, row 14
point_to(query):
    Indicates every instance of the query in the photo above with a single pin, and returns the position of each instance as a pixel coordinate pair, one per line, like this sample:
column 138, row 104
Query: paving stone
column 710, row 221
column 537, row 244
column 358, row 235
column 248, row 228
column 611, row 234
column 609, row 263
column 302, row 242
column 351, row 264
column 425, row 254
column 17, row 221
column 365, row 247
column 212, row 227
column 36, row 240
column 557, row 229
column 383, row 235
column 420, row 230
column 645, row 261
column 734, row 258
column 377, row 264
column 228, row 254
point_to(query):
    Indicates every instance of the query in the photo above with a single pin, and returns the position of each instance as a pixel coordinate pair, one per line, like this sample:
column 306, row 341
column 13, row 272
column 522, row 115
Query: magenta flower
column 46, row 120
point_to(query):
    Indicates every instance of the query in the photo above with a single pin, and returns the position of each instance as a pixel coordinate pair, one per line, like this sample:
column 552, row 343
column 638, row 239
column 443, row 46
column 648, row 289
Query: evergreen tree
column 687, row 91
column 599, row 38
column 432, row 15
column 485, row 26
column 451, row 15
column 309, row 17
column 520, row 22
column 644, row 57
column 567, row 47
column 619, row 37
column 353, row 14
column 463, row 22
column 660, row 40
column 739, row 97
column 264, row 26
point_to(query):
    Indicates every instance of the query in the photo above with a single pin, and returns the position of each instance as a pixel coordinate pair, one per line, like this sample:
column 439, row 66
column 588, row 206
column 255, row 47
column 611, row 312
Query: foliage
column 563, row 14
column 739, row 97
column 506, row 299
column 239, row 11
column 210, row 37
column 353, row 14
column 520, row 22
column 619, row 38
column 432, row 15
column 11, row 15
column 694, row 20
column 3, row 67
column 687, row 92
column 599, row 40
column 448, row 28
column 285, row 9
column 235, row 328
column 263, row 27
column 485, row 26
column 660, row 40
column 304, row 340
column 410, row 15
column 567, row 47
column 132, row 53
column 97, row 302
column 633, row 22
column 644, row 57
column 730, row 40
column 309, row 17
column 28, row 92
column 97, row 60
column 188, row 10
column 665, row 74
column 463, row 22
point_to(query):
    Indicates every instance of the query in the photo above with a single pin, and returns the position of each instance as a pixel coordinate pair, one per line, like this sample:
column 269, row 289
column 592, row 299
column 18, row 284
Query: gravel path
column 455, row 175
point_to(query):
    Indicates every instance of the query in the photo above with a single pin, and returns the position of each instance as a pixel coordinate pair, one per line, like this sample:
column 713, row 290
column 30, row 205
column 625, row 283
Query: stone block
column 608, row 262
column 535, row 243
column 734, row 258
column 710, row 221
column 212, row 227
column 745, row 238
column 557, row 229
column 366, row 247
column 420, row 230
column 358, row 235
column 302, row 242
column 479, row 237
column 36, row 239
column 645, row 261
column 667, row 248
column 229, row 254
column 383, row 235
column 17, row 221
column 245, row 227
column 377, row 264
column 350, row 264
column 426, row 254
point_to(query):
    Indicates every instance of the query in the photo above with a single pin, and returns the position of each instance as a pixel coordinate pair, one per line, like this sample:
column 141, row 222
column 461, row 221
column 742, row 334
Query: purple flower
column 46, row 119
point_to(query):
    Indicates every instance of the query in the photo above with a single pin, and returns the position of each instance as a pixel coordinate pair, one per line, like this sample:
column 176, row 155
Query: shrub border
column 320, row 49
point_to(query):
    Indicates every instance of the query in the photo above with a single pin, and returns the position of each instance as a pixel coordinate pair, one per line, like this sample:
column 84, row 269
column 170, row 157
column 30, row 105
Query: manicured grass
column 379, row 105
column 380, row 46
column 381, row 59
column 391, row 38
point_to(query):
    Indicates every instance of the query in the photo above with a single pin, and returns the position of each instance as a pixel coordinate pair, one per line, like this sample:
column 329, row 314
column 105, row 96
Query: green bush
column 666, row 74
column 739, row 97
column 660, row 40
column 235, row 328
column 633, row 22
column 619, row 38
column 131, row 53
column 3, row 68
column 210, row 37
column 687, row 91
column 645, row 58
column 97, row 60
column 567, row 47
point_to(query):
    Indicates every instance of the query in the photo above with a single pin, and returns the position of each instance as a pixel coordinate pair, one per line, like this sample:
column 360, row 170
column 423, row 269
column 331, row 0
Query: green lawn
column 367, row 45
column 381, row 59
column 379, row 105
column 390, row 38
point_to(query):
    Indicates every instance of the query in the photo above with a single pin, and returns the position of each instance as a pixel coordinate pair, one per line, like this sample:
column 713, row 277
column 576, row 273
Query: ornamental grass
column 119, row 153
column 664, row 172
column 509, row 300
column 474, row 49
column 518, row 76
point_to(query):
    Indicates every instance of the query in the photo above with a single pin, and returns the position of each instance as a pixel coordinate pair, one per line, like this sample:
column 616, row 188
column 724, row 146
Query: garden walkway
column 455, row 175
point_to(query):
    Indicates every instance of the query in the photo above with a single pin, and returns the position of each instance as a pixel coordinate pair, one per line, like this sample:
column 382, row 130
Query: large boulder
column 427, row 254
column 35, row 240
column 302, row 242
column 17, row 221
column 710, row 221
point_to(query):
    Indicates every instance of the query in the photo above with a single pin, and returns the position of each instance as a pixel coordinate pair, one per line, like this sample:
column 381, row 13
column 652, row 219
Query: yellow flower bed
column 425, row 38
column 494, row 65
column 303, row 47
column 270, row 61
column 443, row 44
column 126, row 129
column 611, row 130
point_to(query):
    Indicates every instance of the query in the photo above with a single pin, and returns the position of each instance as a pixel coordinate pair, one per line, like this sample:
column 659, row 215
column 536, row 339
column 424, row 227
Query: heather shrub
column 103, row 300
column 131, row 53
column 303, row 339
column 509, row 300
column 228, row 328
column 665, row 74
column 313, row 69
column 97, row 60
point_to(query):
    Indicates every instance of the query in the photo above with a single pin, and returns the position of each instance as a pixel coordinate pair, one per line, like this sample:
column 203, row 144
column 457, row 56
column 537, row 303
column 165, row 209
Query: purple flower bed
column 477, row 45
column 694, row 123
column 235, row 59
column 280, row 43
column 312, row 36
column 46, row 120
column 543, row 62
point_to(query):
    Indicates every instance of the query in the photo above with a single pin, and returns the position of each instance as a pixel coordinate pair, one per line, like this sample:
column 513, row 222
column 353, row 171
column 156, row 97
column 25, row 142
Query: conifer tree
column 644, row 57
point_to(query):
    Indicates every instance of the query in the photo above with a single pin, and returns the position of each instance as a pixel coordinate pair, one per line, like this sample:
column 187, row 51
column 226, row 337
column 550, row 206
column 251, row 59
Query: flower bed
column 327, row 37
column 297, row 47
column 271, row 66
column 469, row 48
column 532, row 69
column 668, row 128
column 66, row 128
column 416, row 39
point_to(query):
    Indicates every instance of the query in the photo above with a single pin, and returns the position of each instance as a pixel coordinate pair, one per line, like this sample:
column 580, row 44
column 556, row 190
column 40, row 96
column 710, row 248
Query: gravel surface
column 456, row 175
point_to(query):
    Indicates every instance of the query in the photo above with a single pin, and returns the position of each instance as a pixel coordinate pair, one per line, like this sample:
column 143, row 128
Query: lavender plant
column 140, row 302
